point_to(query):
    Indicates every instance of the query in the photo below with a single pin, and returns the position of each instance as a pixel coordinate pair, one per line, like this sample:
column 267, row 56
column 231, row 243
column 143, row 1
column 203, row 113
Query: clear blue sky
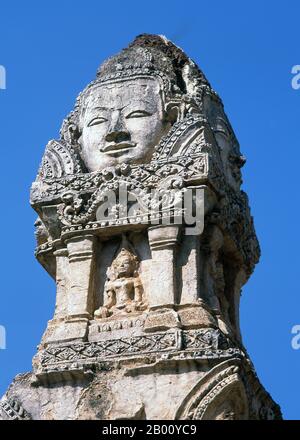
column 247, row 49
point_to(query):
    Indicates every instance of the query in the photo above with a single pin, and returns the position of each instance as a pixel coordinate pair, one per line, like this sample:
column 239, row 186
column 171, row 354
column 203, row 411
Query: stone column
column 81, row 269
column 75, row 269
column 190, row 259
column 56, row 328
column 163, row 241
column 62, row 277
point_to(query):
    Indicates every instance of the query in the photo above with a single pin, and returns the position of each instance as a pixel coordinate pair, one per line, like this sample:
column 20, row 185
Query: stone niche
column 145, row 230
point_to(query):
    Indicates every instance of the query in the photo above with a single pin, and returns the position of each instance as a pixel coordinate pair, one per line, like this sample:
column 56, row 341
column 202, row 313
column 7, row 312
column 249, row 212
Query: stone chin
column 122, row 122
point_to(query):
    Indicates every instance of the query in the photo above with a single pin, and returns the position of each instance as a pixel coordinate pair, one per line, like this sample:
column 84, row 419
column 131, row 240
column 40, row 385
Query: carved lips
column 117, row 148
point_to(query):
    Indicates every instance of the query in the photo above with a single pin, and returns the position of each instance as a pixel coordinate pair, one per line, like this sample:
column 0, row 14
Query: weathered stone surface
column 161, row 320
column 144, row 227
column 196, row 316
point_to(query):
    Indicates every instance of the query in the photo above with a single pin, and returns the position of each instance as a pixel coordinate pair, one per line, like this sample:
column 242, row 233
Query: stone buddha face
column 121, row 122
column 124, row 265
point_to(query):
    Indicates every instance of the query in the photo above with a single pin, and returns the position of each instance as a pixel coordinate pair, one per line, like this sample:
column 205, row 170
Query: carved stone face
column 124, row 265
column 122, row 122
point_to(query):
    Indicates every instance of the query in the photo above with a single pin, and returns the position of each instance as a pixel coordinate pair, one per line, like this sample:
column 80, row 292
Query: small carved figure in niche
column 123, row 290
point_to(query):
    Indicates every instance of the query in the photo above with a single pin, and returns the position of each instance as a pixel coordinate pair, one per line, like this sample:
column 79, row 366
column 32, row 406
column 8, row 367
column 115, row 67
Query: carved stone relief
column 123, row 290
column 140, row 303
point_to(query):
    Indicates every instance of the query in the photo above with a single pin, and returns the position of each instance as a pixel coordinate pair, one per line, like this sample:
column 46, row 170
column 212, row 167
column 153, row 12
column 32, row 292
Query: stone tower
column 144, row 228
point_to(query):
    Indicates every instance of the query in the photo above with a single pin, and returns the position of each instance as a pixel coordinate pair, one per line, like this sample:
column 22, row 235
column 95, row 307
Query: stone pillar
column 81, row 269
column 163, row 241
column 62, row 277
column 56, row 327
column 75, row 290
column 190, row 269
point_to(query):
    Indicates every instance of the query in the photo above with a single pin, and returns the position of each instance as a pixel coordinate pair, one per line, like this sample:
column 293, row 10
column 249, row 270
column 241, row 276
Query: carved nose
column 117, row 136
column 117, row 133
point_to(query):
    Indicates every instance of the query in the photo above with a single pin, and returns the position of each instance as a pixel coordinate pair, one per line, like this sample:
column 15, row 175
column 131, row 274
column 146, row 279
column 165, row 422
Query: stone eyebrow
column 101, row 108
column 138, row 101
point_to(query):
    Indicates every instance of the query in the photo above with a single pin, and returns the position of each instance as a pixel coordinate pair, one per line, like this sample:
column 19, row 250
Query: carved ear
column 177, row 109
column 73, row 134
column 173, row 111
column 69, row 131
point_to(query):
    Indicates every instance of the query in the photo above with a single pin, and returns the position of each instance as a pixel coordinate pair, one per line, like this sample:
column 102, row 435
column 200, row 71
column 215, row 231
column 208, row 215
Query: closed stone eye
column 138, row 114
column 97, row 121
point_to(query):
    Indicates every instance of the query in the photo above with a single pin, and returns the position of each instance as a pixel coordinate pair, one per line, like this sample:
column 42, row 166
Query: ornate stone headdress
column 147, row 55
column 183, row 86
